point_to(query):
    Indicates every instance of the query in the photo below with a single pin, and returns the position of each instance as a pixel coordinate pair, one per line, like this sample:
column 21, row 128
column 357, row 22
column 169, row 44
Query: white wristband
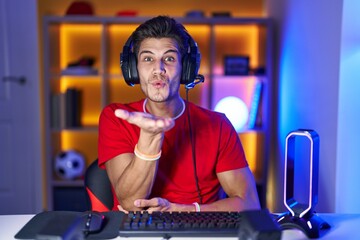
column 197, row 206
column 146, row 157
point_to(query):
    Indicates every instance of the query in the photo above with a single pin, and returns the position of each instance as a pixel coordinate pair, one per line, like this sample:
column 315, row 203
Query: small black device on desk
column 72, row 225
column 68, row 227
column 250, row 225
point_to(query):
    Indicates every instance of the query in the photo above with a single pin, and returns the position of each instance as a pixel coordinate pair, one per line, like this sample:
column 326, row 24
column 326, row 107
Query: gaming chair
column 98, row 188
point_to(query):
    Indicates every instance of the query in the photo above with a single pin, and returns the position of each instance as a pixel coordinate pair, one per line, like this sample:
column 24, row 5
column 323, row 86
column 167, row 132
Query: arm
column 238, row 184
column 131, row 176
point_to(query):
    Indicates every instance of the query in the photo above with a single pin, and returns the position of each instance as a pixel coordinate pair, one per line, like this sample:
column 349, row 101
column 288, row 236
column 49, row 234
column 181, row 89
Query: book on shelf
column 57, row 110
column 72, row 113
column 66, row 109
column 254, row 112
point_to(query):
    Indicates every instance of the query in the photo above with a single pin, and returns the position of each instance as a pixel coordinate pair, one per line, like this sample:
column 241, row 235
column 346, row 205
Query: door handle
column 21, row 80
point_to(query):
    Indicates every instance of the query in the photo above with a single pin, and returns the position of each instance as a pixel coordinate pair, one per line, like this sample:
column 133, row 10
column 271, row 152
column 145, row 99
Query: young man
column 163, row 153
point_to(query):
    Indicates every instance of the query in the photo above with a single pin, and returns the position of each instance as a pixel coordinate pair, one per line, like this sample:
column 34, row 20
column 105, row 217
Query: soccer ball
column 69, row 164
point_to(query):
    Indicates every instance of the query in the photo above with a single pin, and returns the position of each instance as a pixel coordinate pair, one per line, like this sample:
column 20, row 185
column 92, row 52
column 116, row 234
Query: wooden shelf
column 67, row 38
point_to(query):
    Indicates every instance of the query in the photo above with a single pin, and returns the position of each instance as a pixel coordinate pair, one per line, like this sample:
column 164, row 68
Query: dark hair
column 161, row 27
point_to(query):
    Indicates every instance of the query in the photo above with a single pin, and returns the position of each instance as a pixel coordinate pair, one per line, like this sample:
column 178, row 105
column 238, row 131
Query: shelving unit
column 67, row 39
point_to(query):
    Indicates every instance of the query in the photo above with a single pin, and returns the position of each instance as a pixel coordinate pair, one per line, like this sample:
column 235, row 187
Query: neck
column 172, row 109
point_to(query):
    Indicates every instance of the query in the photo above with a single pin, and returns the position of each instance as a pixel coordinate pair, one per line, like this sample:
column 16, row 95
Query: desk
column 343, row 226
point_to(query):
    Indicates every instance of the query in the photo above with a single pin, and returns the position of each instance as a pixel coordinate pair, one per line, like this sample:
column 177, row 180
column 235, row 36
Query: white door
column 20, row 139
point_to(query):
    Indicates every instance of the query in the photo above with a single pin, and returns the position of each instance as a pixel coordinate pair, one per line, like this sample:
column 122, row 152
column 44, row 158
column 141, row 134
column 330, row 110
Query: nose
column 159, row 67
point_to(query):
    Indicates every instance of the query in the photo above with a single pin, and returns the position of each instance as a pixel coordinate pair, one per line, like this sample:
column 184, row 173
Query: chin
column 158, row 96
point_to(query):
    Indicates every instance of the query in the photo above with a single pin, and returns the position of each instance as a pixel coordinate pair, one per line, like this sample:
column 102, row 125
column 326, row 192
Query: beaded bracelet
column 197, row 207
column 146, row 157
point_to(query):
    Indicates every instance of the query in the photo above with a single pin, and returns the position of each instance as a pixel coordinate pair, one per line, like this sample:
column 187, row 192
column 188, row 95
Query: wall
column 308, row 68
column 316, row 70
column 243, row 8
column 348, row 151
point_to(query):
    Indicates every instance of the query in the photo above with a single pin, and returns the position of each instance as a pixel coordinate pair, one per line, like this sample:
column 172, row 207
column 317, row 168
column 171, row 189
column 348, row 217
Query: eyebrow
column 168, row 51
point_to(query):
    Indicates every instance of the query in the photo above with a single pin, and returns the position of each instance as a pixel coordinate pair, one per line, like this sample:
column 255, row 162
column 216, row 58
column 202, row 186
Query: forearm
column 230, row 204
column 136, row 182
column 138, row 177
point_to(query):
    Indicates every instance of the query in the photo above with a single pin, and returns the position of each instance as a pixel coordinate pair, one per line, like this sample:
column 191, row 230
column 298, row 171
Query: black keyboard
column 180, row 224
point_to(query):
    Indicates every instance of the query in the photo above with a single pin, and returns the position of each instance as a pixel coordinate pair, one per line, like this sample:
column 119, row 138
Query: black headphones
column 190, row 63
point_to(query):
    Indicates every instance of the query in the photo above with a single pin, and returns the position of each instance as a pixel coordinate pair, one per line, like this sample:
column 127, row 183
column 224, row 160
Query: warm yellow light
column 78, row 40
column 90, row 97
column 253, row 144
column 118, row 35
column 83, row 142
column 201, row 35
column 271, row 192
column 237, row 40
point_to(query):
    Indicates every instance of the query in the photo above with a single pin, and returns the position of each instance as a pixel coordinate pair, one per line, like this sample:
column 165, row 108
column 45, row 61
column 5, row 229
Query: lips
column 158, row 83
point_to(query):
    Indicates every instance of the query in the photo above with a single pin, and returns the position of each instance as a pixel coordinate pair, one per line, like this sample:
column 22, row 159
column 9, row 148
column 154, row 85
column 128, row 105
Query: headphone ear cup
column 134, row 76
column 128, row 67
column 190, row 64
column 124, row 65
column 128, row 64
column 185, row 70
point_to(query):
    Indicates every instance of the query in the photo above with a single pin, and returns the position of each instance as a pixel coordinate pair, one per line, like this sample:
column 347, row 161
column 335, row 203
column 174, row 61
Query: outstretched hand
column 151, row 205
column 146, row 121
column 154, row 204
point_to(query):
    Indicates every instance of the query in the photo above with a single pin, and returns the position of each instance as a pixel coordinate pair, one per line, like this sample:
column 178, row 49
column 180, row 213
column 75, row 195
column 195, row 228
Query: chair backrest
column 98, row 188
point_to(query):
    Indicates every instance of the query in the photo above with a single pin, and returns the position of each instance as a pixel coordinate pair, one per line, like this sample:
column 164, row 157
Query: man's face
column 159, row 67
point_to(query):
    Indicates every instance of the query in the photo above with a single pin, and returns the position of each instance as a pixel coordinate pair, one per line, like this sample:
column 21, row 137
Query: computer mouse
column 92, row 221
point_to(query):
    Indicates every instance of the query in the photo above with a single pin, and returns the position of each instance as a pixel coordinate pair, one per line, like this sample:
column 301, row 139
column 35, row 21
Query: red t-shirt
column 217, row 148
